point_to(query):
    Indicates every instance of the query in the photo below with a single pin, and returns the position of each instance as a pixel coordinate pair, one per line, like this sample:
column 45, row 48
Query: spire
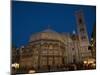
column 48, row 29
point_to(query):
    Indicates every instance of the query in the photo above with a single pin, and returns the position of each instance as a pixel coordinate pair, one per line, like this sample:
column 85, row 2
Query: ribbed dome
column 46, row 34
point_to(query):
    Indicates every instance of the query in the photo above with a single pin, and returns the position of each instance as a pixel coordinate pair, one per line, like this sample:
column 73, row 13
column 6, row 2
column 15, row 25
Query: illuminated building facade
column 50, row 50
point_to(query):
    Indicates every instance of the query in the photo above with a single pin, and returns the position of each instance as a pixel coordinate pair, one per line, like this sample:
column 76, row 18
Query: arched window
column 56, row 46
column 44, row 46
column 50, row 46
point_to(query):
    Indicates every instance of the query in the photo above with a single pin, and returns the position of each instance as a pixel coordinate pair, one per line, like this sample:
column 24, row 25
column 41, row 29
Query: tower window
column 83, row 37
column 82, row 29
column 80, row 21
column 74, row 59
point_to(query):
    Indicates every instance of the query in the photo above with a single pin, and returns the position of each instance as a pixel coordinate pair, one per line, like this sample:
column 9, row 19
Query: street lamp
column 89, row 63
column 85, row 62
column 91, row 39
column 15, row 66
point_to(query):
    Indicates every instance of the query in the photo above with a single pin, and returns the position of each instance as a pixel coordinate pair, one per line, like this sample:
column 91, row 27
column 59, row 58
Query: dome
column 47, row 34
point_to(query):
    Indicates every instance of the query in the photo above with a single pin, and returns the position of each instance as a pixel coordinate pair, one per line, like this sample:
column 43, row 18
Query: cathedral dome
column 47, row 34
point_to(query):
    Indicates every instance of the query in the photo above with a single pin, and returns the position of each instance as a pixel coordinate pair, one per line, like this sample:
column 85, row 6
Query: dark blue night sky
column 31, row 17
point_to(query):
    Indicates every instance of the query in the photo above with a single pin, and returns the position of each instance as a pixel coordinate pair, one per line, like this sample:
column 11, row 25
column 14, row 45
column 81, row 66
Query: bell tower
column 83, row 36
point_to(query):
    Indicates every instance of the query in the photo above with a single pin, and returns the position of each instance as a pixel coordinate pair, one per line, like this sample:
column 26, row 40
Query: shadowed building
column 93, row 42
